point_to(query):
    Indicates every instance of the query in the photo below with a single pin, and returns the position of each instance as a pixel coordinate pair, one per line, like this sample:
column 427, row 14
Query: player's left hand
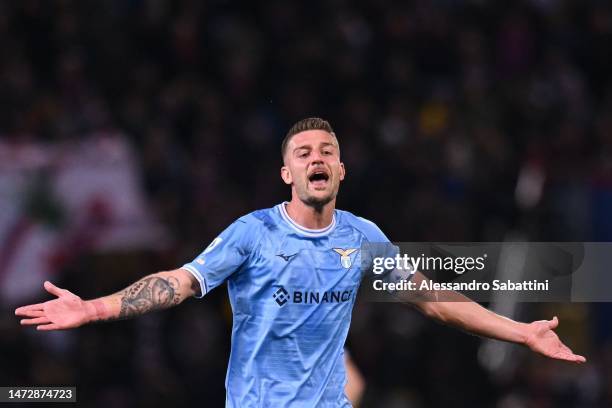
column 542, row 339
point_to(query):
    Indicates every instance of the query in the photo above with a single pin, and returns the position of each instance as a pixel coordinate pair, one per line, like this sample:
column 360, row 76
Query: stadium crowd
column 458, row 121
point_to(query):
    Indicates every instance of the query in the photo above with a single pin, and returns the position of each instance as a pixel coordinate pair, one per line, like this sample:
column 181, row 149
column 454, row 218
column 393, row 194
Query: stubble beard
column 318, row 203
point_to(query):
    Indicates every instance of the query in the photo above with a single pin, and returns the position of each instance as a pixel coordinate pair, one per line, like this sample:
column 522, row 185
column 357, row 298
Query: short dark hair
column 304, row 125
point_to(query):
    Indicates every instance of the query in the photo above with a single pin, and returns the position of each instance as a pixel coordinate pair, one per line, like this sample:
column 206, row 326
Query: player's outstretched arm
column 454, row 309
column 153, row 292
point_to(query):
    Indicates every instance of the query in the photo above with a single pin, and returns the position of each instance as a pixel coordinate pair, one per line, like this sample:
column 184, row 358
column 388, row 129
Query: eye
column 327, row 152
column 303, row 155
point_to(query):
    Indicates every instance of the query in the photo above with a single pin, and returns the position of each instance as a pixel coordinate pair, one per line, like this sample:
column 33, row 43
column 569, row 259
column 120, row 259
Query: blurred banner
column 60, row 200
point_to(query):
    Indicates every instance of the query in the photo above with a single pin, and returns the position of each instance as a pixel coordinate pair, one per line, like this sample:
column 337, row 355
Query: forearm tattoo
column 148, row 294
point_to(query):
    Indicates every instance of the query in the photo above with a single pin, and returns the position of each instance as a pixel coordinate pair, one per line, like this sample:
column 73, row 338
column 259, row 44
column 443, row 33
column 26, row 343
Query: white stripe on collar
column 303, row 230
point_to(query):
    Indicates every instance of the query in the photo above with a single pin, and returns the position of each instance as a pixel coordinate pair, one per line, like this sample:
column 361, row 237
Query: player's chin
column 320, row 197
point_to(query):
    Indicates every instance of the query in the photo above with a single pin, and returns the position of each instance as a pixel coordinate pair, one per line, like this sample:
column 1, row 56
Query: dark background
column 457, row 120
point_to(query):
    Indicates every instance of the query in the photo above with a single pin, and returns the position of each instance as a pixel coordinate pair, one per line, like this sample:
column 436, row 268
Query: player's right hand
column 66, row 312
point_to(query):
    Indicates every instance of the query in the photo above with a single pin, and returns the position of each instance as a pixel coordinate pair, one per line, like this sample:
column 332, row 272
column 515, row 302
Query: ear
column 342, row 171
column 286, row 175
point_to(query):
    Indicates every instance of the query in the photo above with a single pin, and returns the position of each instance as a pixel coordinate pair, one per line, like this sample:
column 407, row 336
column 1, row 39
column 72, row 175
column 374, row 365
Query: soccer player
column 292, row 271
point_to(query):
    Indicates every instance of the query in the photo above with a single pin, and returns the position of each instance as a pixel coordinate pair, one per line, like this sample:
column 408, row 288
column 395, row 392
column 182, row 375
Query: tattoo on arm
column 149, row 294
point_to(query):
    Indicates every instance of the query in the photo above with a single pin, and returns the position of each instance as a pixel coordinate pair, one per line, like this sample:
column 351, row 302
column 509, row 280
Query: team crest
column 345, row 256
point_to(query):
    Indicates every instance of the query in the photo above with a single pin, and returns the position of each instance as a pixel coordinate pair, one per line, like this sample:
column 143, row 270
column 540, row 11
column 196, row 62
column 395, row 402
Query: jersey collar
column 303, row 230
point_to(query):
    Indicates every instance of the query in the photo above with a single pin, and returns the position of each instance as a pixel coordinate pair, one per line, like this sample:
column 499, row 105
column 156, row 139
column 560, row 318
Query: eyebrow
column 324, row 144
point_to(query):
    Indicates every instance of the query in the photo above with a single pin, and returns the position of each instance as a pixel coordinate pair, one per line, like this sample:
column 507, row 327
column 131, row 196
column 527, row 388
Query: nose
column 317, row 158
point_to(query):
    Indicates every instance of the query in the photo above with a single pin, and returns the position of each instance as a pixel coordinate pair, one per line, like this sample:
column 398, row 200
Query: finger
column 23, row 309
column 569, row 356
column 38, row 320
column 554, row 323
column 32, row 313
column 54, row 290
column 566, row 348
column 46, row 327
column 563, row 356
column 566, row 351
column 576, row 358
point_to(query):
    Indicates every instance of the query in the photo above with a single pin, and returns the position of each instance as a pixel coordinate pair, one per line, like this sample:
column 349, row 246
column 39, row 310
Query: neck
column 311, row 217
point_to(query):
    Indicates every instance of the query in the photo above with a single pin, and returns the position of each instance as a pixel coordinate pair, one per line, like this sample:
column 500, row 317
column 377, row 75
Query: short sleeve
column 223, row 256
column 379, row 255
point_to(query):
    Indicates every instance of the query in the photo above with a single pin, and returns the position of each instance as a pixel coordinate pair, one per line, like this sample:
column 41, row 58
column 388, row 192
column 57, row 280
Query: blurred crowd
column 458, row 120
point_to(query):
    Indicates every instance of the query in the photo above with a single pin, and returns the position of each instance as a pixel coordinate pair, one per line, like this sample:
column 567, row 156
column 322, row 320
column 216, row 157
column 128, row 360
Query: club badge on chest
column 345, row 256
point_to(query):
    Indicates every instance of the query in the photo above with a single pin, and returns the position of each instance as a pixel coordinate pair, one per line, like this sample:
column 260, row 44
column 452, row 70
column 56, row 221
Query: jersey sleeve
column 223, row 256
column 380, row 254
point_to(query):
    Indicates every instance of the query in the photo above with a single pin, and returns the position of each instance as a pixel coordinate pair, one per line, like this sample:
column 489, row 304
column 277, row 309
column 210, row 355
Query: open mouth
column 318, row 178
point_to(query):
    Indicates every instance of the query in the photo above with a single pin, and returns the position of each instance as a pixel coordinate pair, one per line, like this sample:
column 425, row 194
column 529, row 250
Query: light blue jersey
column 292, row 291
